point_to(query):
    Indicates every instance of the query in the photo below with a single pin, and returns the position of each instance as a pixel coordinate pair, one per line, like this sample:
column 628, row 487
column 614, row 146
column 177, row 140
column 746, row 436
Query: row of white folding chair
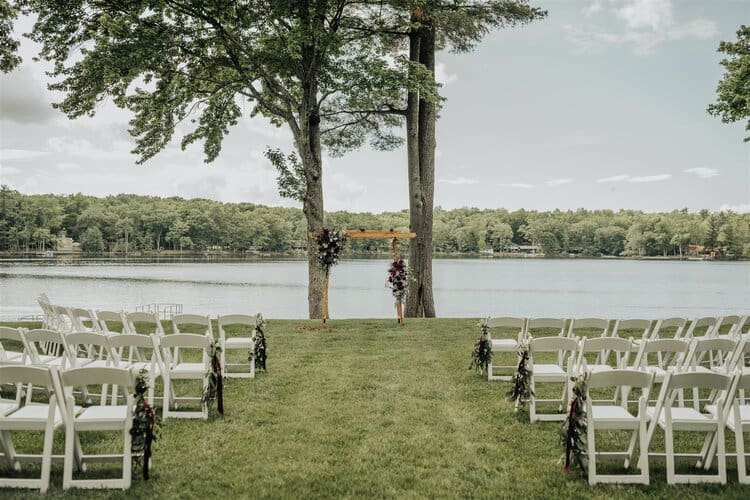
column 158, row 355
column 672, row 355
column 149, row 323
column 669, row 417
column 59, row 410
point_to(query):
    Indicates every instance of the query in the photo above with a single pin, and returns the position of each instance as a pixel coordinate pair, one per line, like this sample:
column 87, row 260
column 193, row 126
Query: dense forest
column 32, row 223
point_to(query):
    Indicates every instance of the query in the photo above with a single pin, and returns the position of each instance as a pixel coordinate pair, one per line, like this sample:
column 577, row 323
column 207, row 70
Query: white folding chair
column 593, row 327
column 175, row 370
column 10, row 353
column 185, row 323
column 33, row 416
column 46, row 347
column 618, row 417
column 99, row 351
column 671, row 418
column 710, row 355
column 49, row 318
column 143, row 323
column 660, row 356
column 111, row 322
column 65, row 322
column 136, row 352
column 118, row 418
column 545, row 327
column 559, row 373
column 244, row 342
column 636, row 329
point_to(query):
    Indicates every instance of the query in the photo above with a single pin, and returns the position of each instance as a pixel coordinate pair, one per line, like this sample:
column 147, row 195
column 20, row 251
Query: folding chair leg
column 68, row 463
column 49, row 433
column 644, row 451
column 740, row 446
column 669, row 445
column 9, row 450
column 591, row 444
column 127, row 461
column 707, row 451
column 631, row 448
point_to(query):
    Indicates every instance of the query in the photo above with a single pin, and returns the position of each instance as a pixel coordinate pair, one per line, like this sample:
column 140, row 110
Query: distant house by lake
column 66, row 244
column 523, row 248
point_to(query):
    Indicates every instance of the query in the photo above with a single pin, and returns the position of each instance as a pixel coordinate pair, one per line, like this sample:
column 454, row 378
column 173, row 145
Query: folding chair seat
column 136, row 352
column 111, row 322
column 14, row 349
column 178, row 369
column 671, row 419
column 118, row 418
column 666, row 328
column 33, row 416
column 611, row 353
column 559, row 348
column 618, row 417
column 143, row 323
column 588, row 327
column 243, row 341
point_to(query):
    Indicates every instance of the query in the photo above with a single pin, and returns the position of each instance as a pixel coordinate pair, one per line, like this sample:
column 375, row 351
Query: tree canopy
column 733, row 92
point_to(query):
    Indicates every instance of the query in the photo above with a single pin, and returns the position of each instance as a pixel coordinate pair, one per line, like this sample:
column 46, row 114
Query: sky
column 602, row 105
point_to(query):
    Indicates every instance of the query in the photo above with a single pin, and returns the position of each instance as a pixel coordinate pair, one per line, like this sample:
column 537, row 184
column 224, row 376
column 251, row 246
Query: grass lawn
column 369, row 409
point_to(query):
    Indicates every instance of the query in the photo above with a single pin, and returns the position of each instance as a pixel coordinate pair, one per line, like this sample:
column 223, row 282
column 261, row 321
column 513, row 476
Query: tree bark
column 420, row 130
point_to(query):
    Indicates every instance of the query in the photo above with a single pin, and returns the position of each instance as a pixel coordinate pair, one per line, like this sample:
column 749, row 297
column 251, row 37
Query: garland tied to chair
column 260, row 348
column 573, row 431
column 481, row 357
column 146, row 426
column 215, row 388
column 521, row 390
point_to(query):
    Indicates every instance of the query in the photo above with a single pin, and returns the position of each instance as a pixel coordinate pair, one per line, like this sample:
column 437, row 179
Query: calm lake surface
column 463, row 287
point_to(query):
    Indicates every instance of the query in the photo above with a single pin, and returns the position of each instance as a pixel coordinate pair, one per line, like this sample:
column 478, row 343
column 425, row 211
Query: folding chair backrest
column 589, row 324
column 717, row 349
column 184, row 341
column 150, row 322
column 620, row 377
column 636, row 328
column 184, row 323
column 555, row 327
column 701, row 327
column 111, row 322
column 45, row 342
column 729, row 325
column 663, row 325
column 95, row 345
column 507, row 322
column 246, row 321
column 82, row 316
column 553, row 344
column 700, row 380
column 36, row 376
column 12, row 336
column 77, row 377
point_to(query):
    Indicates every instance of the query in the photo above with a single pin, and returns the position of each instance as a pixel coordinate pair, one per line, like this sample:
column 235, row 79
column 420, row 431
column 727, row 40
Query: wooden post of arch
column 394, row 236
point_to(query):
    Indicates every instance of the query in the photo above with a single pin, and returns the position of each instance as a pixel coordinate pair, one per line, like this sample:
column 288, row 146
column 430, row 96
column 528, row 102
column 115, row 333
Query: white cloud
column 558, row 182
column 458, row 181
column 740, row 208
column 703, row 172
column 650, row 178
column 614, row 178
column 442, row 76
column 646, row 24
column 521, row 185
column 593, row 8
column 20, row 154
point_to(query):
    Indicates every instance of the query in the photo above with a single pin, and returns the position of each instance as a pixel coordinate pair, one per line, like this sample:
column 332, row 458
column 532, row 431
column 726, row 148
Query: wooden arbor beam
column 376, row 234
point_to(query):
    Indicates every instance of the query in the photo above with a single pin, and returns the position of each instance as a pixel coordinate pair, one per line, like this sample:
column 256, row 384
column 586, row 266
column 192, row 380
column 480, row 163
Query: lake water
column 462, row 287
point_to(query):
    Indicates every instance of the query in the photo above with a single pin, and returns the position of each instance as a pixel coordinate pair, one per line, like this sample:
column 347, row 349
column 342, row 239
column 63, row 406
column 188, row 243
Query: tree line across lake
column 32, row 223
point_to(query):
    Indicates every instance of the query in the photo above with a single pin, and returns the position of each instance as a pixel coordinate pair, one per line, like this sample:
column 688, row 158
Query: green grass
column 368, row 408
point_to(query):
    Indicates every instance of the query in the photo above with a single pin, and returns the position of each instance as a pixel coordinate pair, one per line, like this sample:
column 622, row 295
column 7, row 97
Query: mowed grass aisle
column 369, row 408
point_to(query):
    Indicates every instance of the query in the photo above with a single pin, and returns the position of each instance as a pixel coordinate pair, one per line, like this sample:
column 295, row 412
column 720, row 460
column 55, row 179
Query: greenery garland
column 573, row 431
column 260, row 348
column 330, row 245
column 398, row 279
column 482, row 355
column 146, row 426
column 521, row 390
column 214, row 390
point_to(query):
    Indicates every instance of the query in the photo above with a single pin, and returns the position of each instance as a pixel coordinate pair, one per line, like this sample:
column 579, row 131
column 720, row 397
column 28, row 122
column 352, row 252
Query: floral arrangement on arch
column 330, row 244
column 398, row 279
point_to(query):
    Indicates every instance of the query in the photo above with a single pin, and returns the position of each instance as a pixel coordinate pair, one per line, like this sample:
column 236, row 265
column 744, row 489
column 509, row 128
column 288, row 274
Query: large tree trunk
column 307, row 140
column 420, row 131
